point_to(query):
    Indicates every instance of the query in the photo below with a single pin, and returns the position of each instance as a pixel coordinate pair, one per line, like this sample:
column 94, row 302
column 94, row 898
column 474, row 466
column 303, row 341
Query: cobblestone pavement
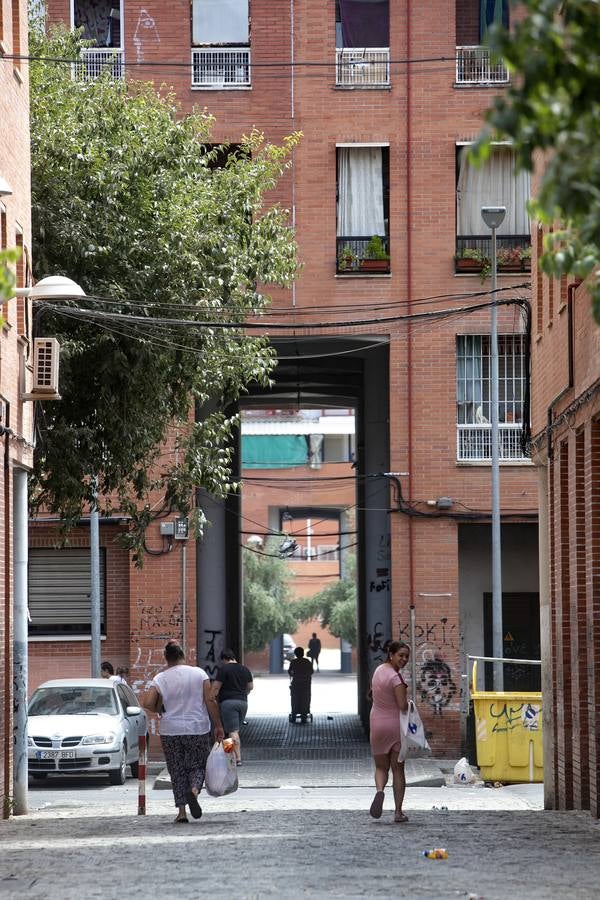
column 311, row 842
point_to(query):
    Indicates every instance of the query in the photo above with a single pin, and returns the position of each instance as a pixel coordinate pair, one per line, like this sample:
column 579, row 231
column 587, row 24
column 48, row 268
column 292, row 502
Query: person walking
column 231, row 688
column 390, row 698
column 182, row 696
column 300, row 671
column 314, row 650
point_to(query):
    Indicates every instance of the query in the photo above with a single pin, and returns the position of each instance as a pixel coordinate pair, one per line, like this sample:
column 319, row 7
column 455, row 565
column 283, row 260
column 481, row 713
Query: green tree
column 7, row 276
column 268, row 608
column 551, row 113
column 131, row 201
column 335, row 605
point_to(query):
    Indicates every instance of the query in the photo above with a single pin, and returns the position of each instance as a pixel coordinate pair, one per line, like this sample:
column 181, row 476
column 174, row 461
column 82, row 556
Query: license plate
column 55, row 754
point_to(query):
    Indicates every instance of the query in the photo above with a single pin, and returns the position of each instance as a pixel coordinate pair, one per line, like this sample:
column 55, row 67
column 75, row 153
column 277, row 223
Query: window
column 59, row 591
column 16, row 33
column 362, row 38
column 363, row 210
column 473, row 395
column 101, row 24
column 494, row 183
column 492, row 12
column 362, row 23
column 220, row 22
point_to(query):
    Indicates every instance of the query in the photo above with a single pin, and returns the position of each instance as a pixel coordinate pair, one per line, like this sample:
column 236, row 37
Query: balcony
column 221, row 69
column 363, row 255
column 474, row 66
column 474, row 443
column 473, row 253
column 362, row 67
column 95, row 61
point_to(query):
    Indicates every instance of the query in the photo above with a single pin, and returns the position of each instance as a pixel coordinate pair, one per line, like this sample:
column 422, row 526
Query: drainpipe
column 6, row 788
column 20, row 807
column 409, row 291
column 571, row 288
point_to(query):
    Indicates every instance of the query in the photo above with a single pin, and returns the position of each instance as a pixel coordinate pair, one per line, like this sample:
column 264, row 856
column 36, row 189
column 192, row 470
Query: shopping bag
column 220, row 777
column 463, row 773
column 413, row 742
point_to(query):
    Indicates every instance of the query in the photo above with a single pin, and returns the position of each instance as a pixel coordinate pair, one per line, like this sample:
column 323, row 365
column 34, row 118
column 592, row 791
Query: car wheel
column 118, row 776
column 135, row 769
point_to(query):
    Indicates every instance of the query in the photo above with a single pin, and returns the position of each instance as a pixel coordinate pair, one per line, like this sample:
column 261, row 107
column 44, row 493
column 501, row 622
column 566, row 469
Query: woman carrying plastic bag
column 221, row 772
column 413, row 742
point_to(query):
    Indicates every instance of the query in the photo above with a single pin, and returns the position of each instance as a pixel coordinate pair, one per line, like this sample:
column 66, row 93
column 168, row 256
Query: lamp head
column 493, row 216
column 53, row 287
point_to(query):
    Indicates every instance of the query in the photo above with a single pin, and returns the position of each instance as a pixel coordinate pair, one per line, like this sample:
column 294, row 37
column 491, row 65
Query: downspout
column 571, row 288
column 7, row 623
column 409, row 291
column 293, row 117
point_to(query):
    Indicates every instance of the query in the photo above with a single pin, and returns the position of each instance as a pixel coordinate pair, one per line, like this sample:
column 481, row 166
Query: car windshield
column 72, row 701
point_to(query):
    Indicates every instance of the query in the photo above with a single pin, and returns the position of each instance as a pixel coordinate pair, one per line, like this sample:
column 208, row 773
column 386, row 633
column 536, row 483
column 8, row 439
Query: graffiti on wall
column 436, row 684
column 435, row 641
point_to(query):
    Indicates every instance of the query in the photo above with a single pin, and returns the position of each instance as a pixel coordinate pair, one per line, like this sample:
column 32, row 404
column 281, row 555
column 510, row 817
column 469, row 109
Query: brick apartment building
column 566, row 432
column 15, row 357
column 386, row 207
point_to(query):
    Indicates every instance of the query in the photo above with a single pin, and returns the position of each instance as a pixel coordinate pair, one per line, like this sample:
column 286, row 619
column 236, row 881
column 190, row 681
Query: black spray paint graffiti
column 439, row 633
column 436, row 684
column 209, row 658
column 526, row 715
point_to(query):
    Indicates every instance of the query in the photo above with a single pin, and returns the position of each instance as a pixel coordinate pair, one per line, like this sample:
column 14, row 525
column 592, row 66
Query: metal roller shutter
column 59, row 590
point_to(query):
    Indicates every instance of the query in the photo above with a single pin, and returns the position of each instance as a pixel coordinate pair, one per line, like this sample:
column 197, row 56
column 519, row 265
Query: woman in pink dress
column 389, row 699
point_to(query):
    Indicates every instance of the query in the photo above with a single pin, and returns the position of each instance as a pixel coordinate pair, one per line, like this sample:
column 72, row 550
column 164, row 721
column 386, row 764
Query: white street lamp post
column 493, row 216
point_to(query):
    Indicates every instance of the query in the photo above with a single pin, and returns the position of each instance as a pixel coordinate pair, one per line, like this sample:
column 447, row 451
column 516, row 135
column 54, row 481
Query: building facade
column 391, row 307
column 16, row 349
column 566, row 432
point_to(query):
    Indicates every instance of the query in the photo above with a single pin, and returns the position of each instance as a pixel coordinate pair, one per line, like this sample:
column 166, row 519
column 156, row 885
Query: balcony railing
column 219, row 68
column 362, row 67
column 474, row 443
column 95, row 61
column 473, row 252
column 474, row 66
column 353, row 257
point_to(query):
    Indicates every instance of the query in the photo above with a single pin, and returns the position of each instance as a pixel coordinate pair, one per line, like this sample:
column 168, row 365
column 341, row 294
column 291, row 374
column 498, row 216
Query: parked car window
column 72, row 702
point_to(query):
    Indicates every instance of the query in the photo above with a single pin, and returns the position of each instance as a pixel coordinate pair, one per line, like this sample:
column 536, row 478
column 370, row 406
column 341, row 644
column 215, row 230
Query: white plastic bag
column 463, row 773
column 220, row 777
column 413, row 742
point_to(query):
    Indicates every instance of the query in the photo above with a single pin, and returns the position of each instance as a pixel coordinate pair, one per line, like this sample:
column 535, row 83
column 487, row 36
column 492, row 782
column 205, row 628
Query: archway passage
column 350, row 372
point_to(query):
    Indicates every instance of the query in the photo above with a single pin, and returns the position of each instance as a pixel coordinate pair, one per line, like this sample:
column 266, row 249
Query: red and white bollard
column 142, row 754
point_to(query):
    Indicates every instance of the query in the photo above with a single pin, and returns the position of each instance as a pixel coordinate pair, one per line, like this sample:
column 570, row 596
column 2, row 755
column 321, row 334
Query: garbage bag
column 220, row 777
column 463, row 773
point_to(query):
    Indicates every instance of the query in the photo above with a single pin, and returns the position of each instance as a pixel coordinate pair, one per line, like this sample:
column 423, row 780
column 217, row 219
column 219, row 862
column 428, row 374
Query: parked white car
column 84, row 726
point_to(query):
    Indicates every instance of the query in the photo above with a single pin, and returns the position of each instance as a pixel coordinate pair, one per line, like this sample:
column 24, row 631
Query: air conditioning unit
column 46, row 355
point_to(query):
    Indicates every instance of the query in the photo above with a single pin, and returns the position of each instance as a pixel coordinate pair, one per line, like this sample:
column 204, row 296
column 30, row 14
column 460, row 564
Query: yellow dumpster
column 508, row 729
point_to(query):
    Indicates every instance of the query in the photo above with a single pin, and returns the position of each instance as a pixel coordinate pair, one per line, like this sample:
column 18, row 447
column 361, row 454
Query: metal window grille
column 327, row 552
column 96, row 61
column 474, row 66
column 212, row 68
column 368, row 67
column 474, row 414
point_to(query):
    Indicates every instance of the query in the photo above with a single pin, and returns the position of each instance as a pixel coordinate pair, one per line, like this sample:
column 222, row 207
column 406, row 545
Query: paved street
column 299, row 826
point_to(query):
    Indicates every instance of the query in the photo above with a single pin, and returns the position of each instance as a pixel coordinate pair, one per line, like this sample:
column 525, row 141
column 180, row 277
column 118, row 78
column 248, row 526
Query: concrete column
column 20, row 790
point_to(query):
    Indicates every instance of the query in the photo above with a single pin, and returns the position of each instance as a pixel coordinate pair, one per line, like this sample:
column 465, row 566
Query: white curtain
column 360, row 192
column 494, row 183
column 220, row 22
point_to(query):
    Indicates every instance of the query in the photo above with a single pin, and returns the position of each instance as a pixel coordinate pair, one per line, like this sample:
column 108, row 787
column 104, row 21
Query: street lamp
column 56, row 287
column 493, row 216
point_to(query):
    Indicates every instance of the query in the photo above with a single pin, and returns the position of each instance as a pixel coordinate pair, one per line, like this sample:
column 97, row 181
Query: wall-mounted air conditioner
column 46, row 356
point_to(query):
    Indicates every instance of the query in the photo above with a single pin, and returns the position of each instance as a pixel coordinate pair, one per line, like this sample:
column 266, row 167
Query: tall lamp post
column 55, row 287
column 493, row 216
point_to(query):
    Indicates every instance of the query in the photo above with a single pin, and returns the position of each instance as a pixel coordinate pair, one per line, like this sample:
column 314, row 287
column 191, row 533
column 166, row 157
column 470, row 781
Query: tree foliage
column 551, row 113
column 132, row 201
column 335, row 605
column 268, row 608
column 7, row 276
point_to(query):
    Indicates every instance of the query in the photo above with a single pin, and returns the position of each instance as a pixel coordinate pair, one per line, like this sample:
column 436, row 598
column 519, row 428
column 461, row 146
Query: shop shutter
column 59, row 590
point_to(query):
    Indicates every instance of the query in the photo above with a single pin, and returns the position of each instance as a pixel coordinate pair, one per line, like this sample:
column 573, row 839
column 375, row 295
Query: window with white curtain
column 494, row 183
column 473, row 384
column 220, row 22
column 361, row 191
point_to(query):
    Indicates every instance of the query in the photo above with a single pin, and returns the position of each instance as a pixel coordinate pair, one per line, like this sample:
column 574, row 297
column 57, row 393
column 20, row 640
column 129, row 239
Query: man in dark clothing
column 300, row 671
column 314, row 649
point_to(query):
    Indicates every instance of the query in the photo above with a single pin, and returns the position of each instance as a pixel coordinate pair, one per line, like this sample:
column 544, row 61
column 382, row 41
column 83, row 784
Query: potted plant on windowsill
column 472, row 259
column 509, row 259
column 376, row 258
column 347, row 259
column 525, row 257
